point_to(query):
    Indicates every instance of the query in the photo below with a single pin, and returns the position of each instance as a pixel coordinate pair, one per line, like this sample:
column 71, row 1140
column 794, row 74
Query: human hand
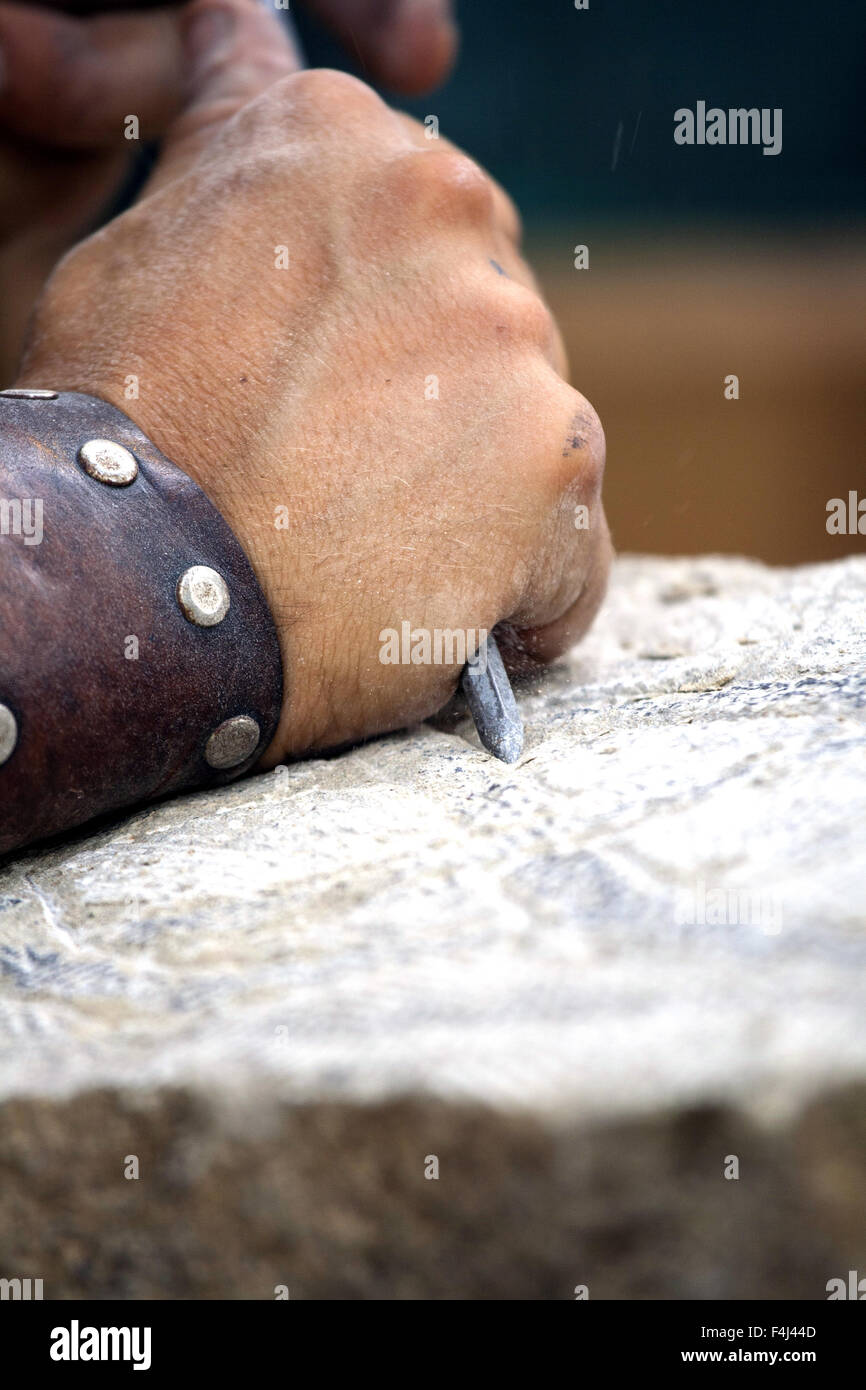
column 333, row 332
column 70, row 84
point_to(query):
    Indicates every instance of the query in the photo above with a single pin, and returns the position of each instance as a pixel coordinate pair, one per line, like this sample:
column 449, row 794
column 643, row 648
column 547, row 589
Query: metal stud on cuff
column 8, row 733
column 203, row 595
column 22, row 393
column 108, row 462
column 232, row 742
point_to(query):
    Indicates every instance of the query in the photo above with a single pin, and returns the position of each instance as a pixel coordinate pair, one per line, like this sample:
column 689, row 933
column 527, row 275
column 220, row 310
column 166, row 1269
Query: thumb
column 235, row 49
column 70, row 83
column 407, row 44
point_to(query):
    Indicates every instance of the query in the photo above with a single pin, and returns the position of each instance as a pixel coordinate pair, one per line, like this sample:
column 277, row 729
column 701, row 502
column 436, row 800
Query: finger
column 539, row 645
column 409, row 45
column 501, row 233
column 510, row 265
column 71, row 83
column 573, row 555
column 235, row 50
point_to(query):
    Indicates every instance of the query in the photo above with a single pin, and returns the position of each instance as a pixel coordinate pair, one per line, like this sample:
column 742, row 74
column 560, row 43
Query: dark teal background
column 541, row 89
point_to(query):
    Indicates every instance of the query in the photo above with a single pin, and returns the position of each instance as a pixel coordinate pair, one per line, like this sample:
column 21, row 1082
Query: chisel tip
column 492, row 704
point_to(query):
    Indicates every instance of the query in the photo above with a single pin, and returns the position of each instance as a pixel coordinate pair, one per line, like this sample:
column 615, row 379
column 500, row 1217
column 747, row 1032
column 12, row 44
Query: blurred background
column 703, row 261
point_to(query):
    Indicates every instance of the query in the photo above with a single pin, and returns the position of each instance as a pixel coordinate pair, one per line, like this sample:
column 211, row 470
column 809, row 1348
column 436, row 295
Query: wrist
column 138, row 655
column 217, row 465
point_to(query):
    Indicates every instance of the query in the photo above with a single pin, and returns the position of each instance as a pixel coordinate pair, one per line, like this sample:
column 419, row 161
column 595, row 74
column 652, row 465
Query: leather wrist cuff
column 138, row 655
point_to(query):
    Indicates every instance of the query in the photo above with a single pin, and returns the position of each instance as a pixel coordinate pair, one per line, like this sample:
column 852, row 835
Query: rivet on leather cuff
column 138, row 655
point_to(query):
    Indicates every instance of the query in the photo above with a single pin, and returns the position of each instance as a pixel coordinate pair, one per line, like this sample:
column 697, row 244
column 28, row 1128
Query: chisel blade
column 492, row 704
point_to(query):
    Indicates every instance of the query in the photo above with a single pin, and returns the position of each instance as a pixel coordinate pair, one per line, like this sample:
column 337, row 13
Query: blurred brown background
column 654, row 327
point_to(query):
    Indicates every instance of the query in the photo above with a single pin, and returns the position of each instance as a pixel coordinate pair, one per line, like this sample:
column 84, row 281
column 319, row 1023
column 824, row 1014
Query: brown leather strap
column 120, row 677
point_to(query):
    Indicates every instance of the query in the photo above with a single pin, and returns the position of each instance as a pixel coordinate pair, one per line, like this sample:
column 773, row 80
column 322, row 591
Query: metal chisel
column 492, row 704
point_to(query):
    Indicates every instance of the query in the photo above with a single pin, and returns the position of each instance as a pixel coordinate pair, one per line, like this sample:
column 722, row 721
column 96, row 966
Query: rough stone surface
column 581, row 981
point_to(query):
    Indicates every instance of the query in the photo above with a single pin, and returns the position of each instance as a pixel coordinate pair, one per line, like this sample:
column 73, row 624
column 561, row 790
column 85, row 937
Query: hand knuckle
column 443, row 182
column 532, row 318
column 508, row 215
column 327, row 89
column 512, row 315
column 582, row 448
